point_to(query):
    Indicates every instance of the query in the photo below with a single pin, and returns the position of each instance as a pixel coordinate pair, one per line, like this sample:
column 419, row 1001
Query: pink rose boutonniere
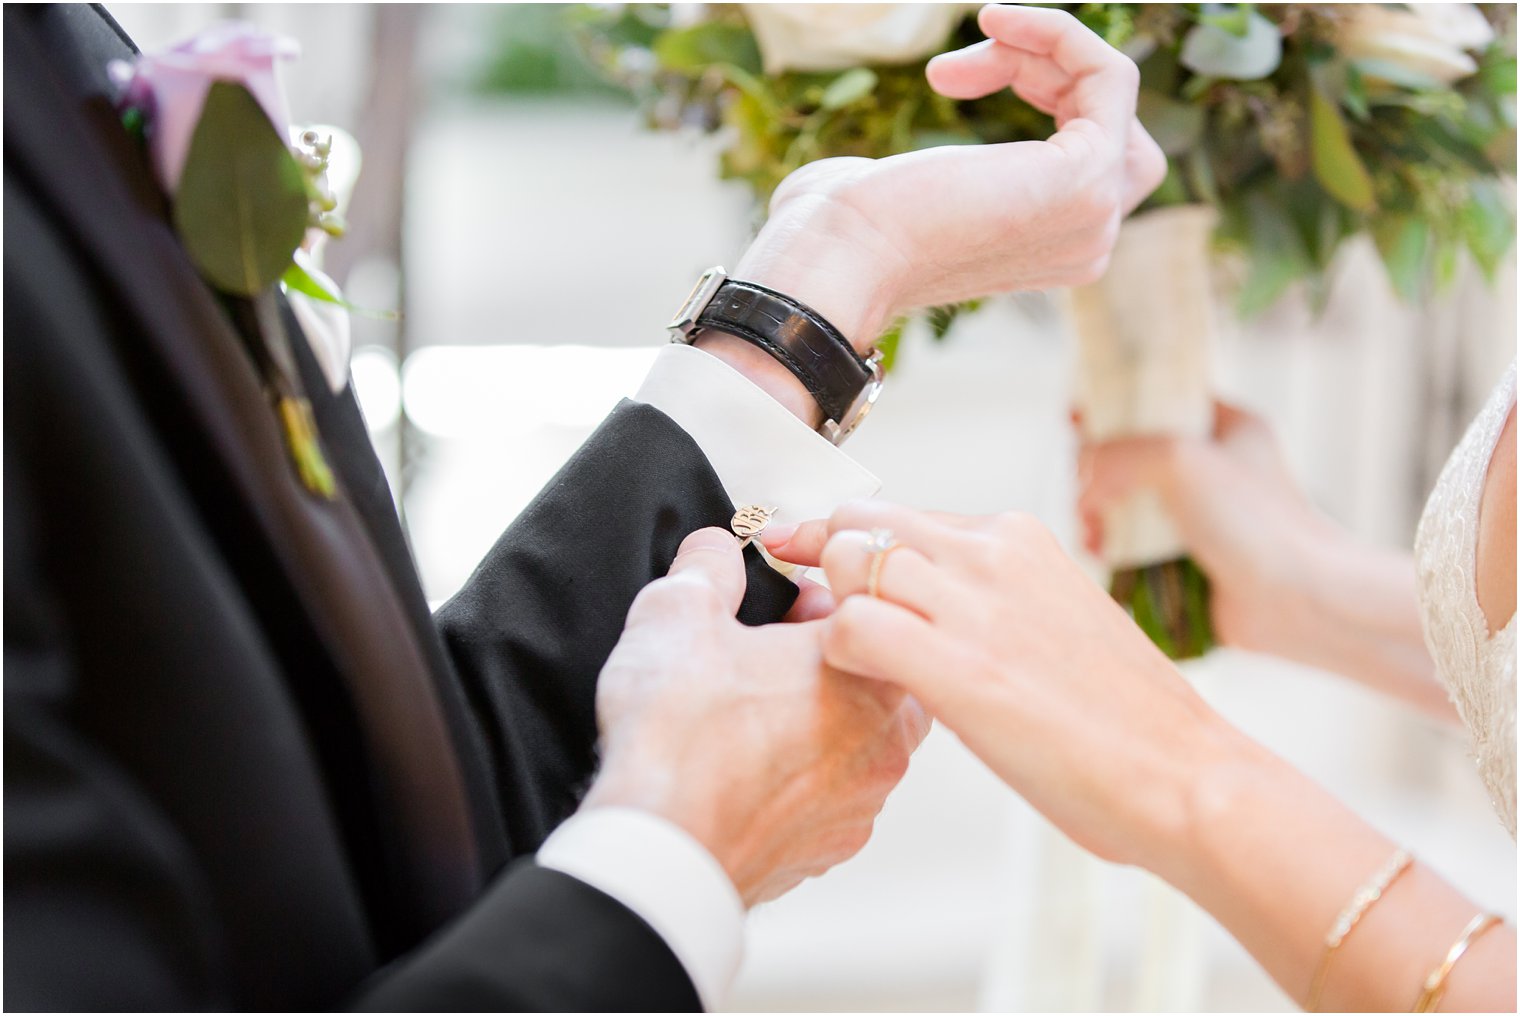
column 215, row 122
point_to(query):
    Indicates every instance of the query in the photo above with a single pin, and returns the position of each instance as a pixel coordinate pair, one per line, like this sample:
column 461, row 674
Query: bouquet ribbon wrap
column 1143, row 334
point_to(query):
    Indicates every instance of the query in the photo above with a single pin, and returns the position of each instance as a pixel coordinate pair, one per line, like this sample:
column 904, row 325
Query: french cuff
column 761, row 452
column 661, row 873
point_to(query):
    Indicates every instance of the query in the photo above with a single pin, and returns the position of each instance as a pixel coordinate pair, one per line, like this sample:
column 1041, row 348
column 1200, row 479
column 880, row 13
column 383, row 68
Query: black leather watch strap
column 801, row 338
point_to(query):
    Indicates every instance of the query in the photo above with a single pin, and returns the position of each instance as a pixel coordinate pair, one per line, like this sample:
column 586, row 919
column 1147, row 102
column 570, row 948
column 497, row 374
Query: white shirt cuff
column 660, row 872
column 761, row 452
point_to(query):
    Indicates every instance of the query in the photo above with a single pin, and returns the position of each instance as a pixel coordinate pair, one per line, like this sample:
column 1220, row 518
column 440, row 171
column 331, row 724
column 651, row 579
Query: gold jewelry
column 1354, row 911
column 1435, row 982
column 880, row 543
column 749, row 522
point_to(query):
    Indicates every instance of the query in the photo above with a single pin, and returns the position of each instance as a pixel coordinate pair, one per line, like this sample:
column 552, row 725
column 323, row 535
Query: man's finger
column 915, row 721
column 1106, row 82
column 974, row 72
column 711, row 558
column 814, row 602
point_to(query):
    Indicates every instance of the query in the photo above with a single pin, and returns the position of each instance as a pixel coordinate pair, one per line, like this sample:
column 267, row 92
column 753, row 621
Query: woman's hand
column 1004, row 640
column 1283, row 578
column 1239, row 511
column 862, row 240
column 1001, row 636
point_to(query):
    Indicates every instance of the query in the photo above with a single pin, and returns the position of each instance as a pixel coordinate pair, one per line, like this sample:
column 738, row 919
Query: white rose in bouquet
column 1432, row 40
column 832, row 37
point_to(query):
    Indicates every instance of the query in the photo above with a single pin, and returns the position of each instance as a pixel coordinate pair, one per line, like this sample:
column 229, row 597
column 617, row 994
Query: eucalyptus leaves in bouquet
column 1303, row 124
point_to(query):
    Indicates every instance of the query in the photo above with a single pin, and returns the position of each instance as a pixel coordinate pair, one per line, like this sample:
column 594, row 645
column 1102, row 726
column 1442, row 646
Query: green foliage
column 534, row 52
column 1258, row 108
column 241, row 207
column 1170, row 603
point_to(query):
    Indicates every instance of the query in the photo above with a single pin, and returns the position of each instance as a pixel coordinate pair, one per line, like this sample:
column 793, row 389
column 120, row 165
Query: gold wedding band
column 880, row 543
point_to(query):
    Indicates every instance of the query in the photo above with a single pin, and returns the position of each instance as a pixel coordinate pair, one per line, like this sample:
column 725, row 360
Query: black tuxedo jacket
column 244, row 768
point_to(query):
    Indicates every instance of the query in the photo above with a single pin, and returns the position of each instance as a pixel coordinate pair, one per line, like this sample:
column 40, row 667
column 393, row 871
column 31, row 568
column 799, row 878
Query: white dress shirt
column 763, row 455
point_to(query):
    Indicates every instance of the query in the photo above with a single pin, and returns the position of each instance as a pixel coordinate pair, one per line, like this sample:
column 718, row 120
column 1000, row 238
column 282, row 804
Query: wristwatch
column 844, row 383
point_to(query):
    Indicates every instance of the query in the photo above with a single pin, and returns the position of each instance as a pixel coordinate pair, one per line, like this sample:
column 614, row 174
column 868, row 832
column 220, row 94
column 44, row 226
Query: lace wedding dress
column 1476, row 665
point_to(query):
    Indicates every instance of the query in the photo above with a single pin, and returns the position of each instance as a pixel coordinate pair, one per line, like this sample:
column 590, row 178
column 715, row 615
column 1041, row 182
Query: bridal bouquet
column 1289, row 129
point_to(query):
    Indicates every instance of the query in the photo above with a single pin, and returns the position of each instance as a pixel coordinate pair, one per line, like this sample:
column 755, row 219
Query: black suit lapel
column 73, row 154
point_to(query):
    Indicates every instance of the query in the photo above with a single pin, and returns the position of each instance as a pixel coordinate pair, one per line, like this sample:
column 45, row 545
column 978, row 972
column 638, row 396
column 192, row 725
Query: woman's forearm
column 1354, row 609
column 1274, row 858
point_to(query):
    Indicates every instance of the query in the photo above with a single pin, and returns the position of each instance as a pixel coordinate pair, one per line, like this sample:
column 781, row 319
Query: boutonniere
column 246, row 196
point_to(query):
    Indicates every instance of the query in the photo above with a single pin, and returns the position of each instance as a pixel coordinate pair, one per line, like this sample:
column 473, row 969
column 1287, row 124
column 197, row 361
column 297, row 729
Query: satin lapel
column 77, row 158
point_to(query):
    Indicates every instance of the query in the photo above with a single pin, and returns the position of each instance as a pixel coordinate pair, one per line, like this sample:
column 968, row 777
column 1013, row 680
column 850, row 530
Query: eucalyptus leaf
column 850, row 87
column 1392, row 73
column 1354, row 98
column 241, row 207
column 1214, row 52
column 1336, row 165
column 1175, row 126
column 1498, row 75
column 1404, row 243
column 1488, row 225
column 694, row 48
column 1232, row 18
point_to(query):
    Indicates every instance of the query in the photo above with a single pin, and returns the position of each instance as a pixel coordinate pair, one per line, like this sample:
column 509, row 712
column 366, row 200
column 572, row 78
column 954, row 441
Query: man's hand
column 862, row 240
column 742, row 736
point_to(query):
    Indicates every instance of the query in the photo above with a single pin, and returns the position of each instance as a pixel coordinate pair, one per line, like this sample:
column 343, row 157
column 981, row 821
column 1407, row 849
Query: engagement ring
column 879, row 543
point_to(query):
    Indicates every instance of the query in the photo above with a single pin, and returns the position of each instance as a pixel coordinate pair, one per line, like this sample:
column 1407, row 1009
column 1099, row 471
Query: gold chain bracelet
column 1360, row 903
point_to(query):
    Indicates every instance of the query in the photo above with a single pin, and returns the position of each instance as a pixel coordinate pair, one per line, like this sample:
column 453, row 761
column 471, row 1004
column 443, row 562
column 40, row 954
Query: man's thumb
column 712, row 558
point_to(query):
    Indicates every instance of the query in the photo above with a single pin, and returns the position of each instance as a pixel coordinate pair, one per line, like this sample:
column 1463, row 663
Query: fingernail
column 779, row 534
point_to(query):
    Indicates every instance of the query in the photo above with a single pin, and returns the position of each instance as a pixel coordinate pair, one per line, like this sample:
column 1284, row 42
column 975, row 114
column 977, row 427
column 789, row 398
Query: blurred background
column 503, row 175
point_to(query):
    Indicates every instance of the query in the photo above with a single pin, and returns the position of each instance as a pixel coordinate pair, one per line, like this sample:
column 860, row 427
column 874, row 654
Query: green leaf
column 1404, row 243
column 694, row 49
column 1498, row 75
column 1488, row 225
column 1277, row 255
column 889, row 342
column 850, row 87
column 1175, row 126
column 1392, row 73
column 1336, row 165
column 299, row 280
column 942, row 139
column 1214, row 52
column 1354, row 98
column 1235, row 19
column 241, row 206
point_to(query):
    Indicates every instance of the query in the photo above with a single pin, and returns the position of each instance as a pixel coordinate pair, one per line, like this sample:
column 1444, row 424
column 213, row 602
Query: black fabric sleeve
column 529, row 632
column 538, row 941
